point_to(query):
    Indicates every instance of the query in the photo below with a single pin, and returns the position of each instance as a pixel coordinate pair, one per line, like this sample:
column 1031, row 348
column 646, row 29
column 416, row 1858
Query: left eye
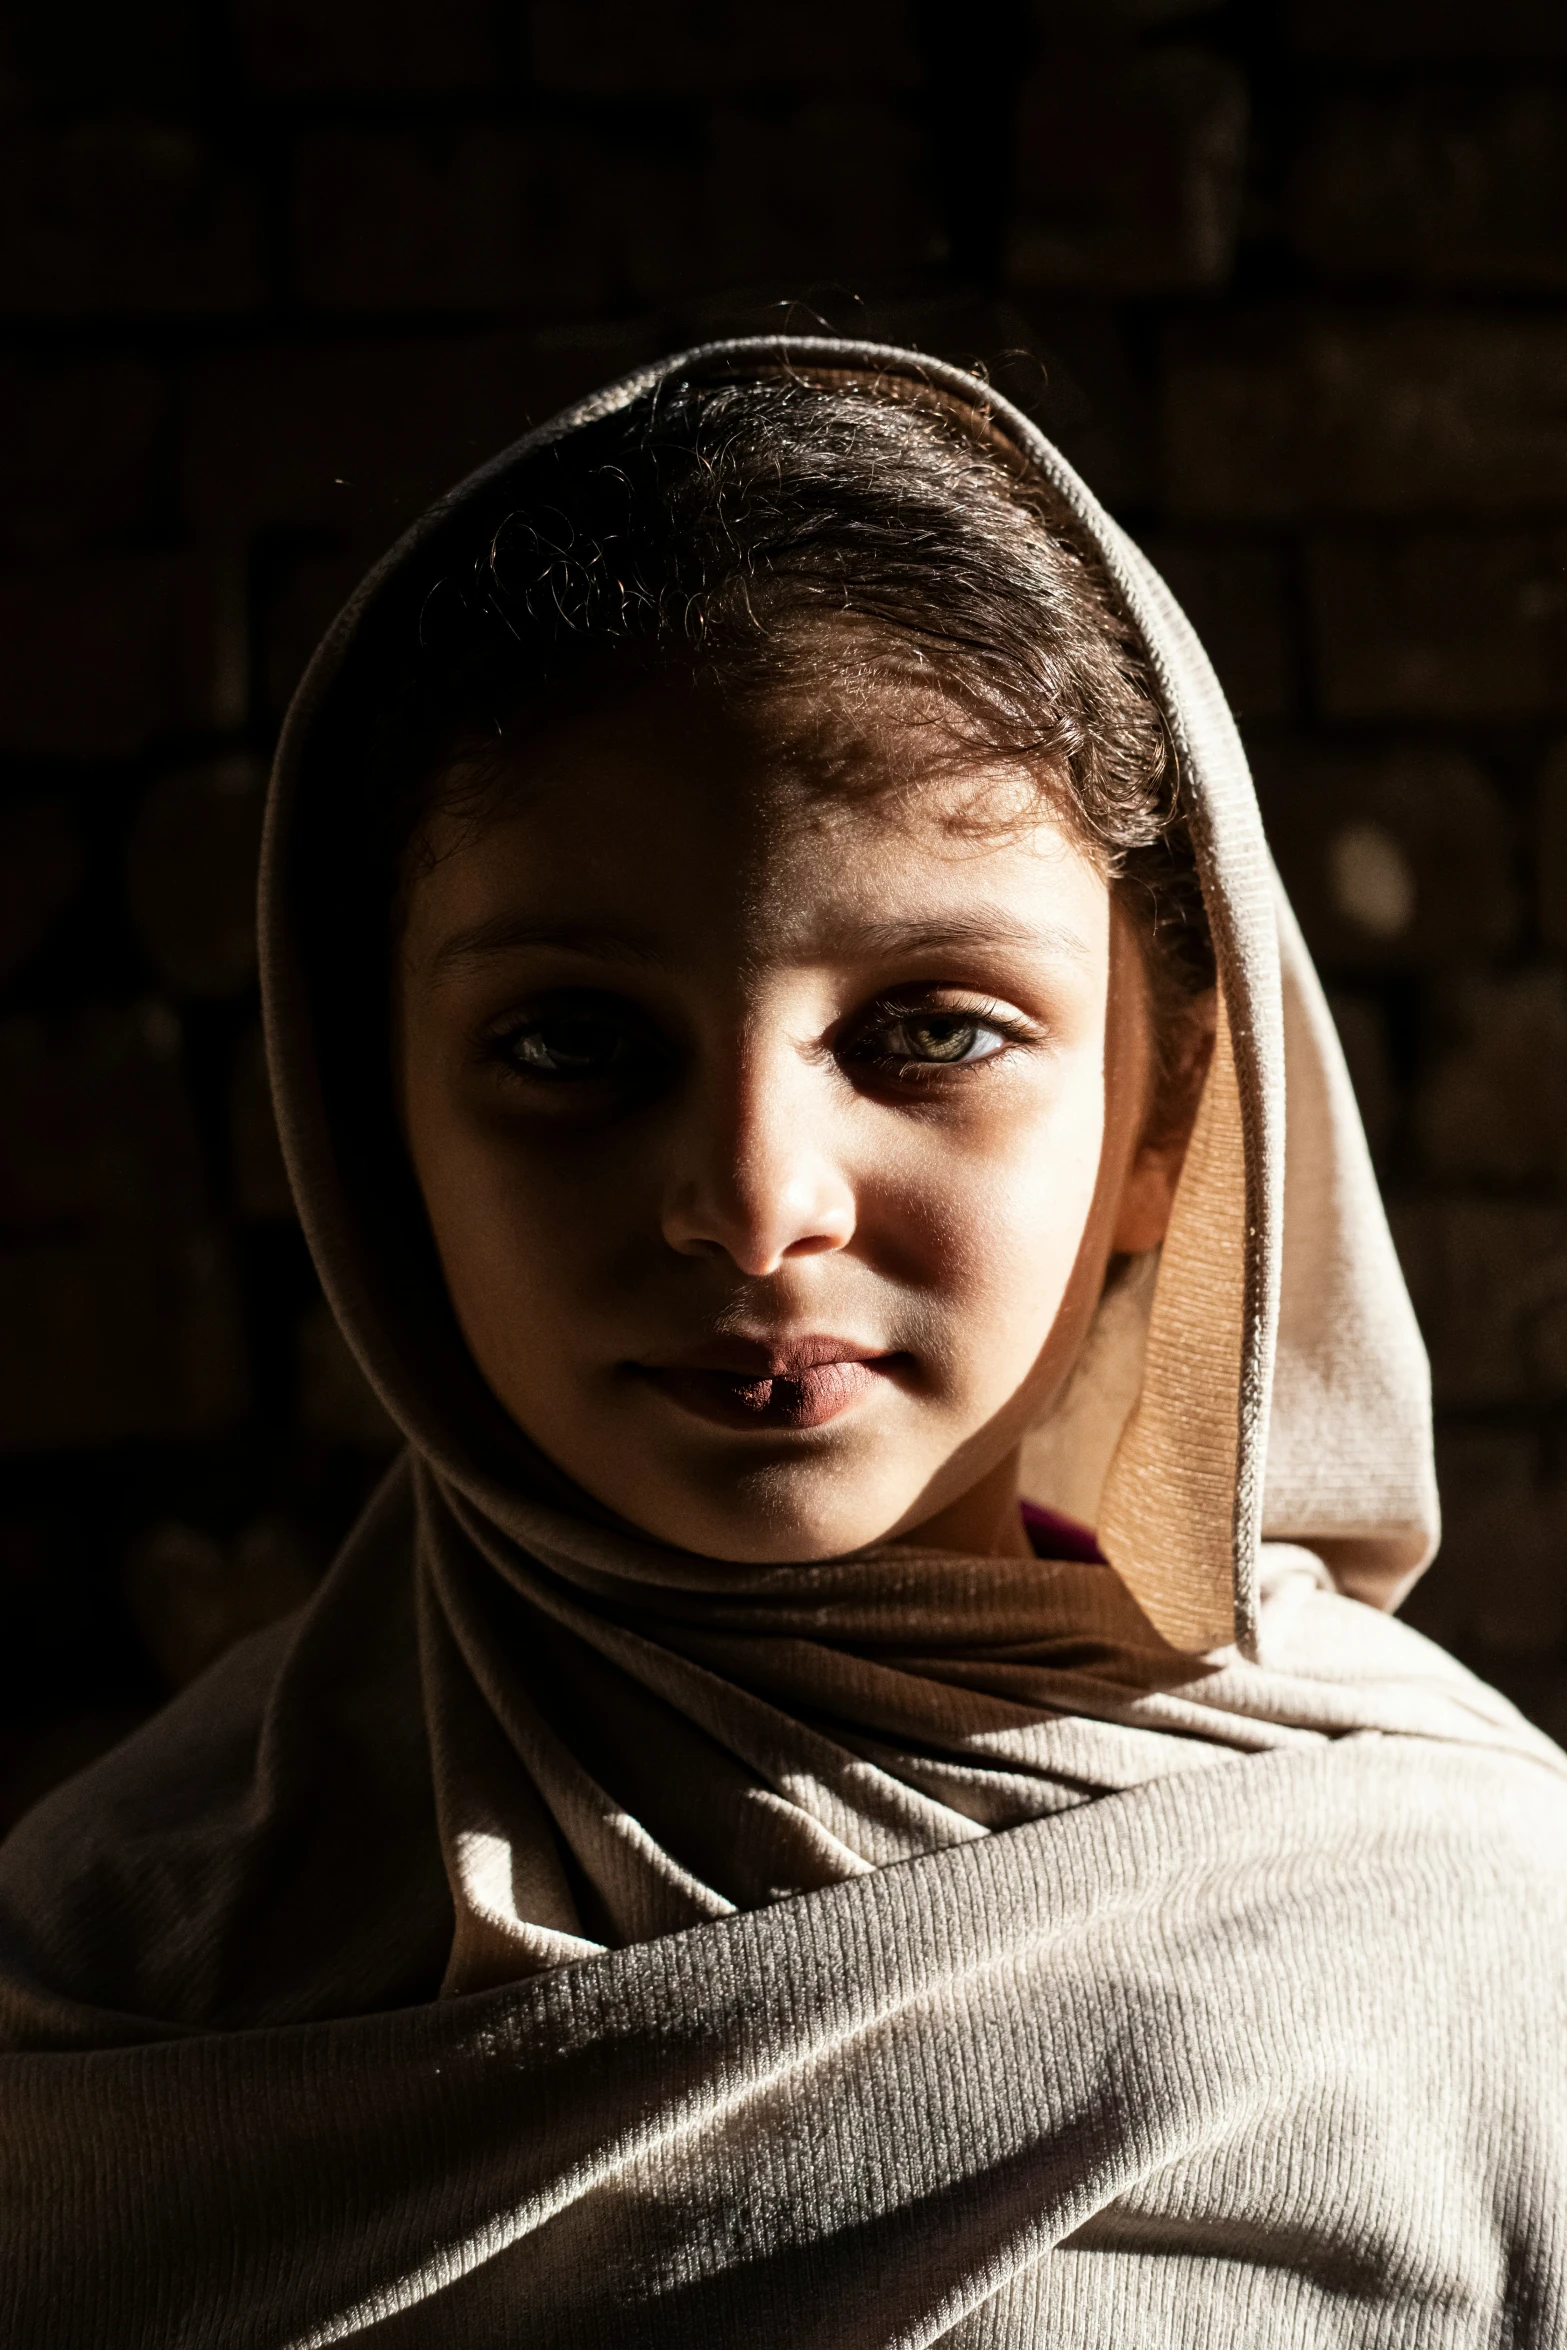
column 931, row 1040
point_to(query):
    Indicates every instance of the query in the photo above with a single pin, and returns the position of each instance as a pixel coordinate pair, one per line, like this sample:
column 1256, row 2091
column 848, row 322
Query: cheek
column 524, row 1232
column 527, row 1236
column 1000, row 1226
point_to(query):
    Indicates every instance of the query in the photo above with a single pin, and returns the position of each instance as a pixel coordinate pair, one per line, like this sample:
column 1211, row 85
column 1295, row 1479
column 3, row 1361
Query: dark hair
column 714, row 527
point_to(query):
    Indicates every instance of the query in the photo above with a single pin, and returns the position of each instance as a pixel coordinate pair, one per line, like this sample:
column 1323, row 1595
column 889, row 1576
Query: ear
column 1148, row 1194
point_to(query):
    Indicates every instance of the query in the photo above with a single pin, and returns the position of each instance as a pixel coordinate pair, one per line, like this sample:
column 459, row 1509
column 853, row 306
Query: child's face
column 775, row 1129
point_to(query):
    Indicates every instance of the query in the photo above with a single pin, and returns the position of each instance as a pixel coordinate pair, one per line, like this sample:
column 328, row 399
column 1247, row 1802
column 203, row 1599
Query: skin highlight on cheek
column 774, row 1148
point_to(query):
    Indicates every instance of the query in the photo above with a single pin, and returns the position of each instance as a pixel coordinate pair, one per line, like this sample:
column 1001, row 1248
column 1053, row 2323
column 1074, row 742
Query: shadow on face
column 773, row 1070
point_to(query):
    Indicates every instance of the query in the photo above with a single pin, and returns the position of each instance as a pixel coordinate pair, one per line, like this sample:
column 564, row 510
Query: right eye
column 571, row 1047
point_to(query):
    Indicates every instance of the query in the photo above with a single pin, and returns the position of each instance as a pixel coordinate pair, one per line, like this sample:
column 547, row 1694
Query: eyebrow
column 982, row 926
column 505, row 934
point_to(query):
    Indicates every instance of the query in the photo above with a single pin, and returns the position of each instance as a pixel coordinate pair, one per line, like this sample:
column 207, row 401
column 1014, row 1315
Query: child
column 806, row 1098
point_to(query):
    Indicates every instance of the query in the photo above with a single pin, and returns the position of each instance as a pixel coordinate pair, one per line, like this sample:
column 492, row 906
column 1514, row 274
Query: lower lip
column 809, row 1400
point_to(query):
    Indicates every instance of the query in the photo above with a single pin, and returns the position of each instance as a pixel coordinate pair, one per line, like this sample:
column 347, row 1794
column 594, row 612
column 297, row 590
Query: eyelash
column 890, row 1014
column 985, row 1019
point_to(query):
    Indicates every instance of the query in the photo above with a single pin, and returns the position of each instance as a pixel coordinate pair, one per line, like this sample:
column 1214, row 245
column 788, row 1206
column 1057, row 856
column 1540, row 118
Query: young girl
column 806, row 1098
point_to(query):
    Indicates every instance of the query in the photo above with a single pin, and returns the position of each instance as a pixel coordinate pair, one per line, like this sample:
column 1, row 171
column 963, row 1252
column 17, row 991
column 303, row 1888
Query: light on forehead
column 864, row 717
column 981, row 926
column 774, row 755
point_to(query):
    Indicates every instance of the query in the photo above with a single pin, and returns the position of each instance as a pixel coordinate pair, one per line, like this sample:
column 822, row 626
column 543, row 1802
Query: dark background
column 1286, row 280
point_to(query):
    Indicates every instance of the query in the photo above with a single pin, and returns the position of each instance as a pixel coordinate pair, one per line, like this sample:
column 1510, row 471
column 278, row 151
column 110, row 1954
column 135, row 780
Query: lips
column 747, row 1383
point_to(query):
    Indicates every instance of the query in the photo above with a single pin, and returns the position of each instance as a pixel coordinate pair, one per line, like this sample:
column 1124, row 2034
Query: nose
column 754, row 1173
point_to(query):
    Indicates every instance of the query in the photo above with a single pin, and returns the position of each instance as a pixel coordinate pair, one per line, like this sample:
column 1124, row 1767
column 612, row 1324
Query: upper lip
column 765, row 1358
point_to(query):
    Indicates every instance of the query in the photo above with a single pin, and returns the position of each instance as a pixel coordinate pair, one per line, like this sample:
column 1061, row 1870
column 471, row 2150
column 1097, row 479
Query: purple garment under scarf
column 1056, row 1537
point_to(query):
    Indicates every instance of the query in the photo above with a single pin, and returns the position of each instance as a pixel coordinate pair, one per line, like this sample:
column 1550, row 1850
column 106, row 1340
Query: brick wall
column 1288, row 278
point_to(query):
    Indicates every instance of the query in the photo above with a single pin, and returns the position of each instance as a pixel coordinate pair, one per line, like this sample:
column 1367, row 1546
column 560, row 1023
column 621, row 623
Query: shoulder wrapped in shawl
column 549, row 1937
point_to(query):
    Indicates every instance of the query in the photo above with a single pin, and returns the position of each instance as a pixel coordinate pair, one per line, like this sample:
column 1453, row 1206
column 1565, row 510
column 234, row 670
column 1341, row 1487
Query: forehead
column 757, row 822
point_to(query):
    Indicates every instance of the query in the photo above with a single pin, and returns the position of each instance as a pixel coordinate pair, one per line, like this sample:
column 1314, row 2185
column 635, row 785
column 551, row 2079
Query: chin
column 774, row 1520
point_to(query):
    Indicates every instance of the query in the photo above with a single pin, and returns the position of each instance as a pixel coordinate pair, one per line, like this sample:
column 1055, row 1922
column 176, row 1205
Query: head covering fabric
column 897, row 1949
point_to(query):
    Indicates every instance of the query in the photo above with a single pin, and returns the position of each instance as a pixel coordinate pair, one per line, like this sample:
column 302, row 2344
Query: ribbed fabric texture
column 1271, row 2054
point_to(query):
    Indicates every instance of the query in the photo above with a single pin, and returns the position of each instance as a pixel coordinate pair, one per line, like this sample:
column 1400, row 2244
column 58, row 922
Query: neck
column 984, row 1522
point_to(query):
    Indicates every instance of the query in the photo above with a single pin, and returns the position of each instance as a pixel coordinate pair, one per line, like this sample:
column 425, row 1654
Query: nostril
column 760, row 1225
